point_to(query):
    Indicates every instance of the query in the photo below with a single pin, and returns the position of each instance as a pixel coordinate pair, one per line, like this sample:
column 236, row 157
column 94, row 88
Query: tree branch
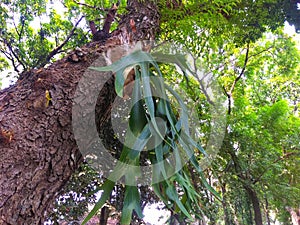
column 243, row 70
column 258, row 53
column 58, row 48
column 93, row 27
column 11, row 58
column 17, row 31
column 229, row 93
column 14, row 54
column 287, row 155
column 103, row 34
column 23, row 25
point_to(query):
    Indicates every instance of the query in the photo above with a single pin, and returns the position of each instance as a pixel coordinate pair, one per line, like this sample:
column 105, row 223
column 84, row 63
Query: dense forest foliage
column 254, row 177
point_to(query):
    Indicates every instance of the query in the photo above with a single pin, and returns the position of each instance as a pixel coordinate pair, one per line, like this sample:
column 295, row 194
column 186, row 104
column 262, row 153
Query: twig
column 201, row 82
column 242, row 72
column 22, row 28
column 11, row 58
column 264, row 50
column 15, row 26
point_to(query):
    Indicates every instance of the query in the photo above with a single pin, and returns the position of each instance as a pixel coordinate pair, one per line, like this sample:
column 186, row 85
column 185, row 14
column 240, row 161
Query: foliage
column 262, row 144
column 241, row 43
column 73, row 203
column 38, row 32
column 171, row 181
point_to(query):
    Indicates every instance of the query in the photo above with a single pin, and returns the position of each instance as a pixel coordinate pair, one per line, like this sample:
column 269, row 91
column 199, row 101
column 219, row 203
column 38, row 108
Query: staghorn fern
column 173, row 145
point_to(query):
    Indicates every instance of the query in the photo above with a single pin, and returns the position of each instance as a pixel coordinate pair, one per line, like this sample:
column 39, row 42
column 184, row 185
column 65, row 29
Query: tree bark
column 255, row 203
column 295, row 215
column 267, row 211
column 227, row 214
column 245, row 181
column 37, row 145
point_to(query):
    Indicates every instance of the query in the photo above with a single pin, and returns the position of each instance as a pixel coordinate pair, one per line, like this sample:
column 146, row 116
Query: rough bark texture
column 37, row 146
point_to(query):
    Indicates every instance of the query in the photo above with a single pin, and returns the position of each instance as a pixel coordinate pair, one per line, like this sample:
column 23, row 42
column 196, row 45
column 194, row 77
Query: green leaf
column 173, row 195
column 107, row 188
column 138, row 119
column 131, row 202
column 119, row 83
column 132, row 59
column 139, row 143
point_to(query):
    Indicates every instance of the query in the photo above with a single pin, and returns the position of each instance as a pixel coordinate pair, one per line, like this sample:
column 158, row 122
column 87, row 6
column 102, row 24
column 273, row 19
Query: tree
column 37, row 140
column 38, row 147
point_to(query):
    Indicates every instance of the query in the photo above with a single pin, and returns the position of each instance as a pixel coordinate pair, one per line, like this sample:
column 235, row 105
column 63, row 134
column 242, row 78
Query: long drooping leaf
column 107, row 188
column 173, row 195
column 168, row 138
column 138, row 118
column 131, row 202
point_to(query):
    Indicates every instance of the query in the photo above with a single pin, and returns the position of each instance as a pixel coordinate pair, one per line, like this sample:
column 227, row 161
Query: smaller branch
column 22, row 28
column 110, row 18
column 58, row 48
column 201, row 83
column 93, row 27
column 15, row 26
column 103, row 34
column 14, row 54
column 258, row 53
column 229, row 93
column 228, row 62
column 11, row 58
column 287, row 155
column 243, row 70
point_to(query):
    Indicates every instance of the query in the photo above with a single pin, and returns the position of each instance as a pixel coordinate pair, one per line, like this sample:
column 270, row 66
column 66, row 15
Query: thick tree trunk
column 37, row 145
column 38, row 150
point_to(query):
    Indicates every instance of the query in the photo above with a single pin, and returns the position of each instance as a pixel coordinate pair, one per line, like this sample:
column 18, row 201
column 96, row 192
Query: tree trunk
column 295, row 215
column 255, row 203
column 267, row 211
column 239, row 171
column 104, row 215
column 37, row 145
column 227, row 215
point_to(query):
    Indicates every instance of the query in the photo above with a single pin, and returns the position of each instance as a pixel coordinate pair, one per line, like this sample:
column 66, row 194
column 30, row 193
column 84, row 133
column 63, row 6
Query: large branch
column 37, row 144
